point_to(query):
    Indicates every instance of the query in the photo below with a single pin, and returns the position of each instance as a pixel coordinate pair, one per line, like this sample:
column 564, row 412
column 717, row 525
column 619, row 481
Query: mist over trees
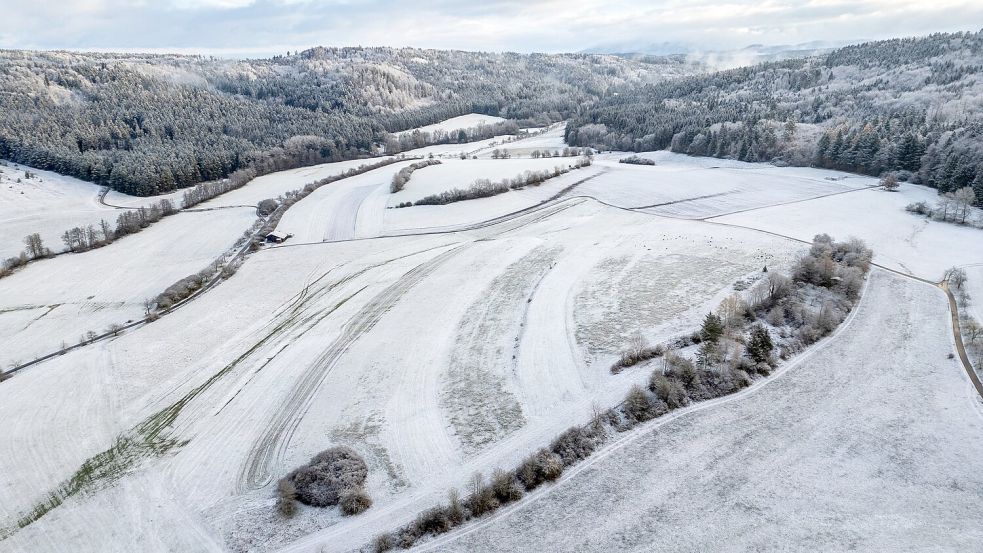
column 149, row 124
column 900, row 106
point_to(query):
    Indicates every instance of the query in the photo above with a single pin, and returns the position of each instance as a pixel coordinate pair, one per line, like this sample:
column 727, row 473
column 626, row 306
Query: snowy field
column 331, row 211
column 333, row 338
column 457, row 123
column 337, row 368
column 56, row 301
column 279, row 183
column 551, row 140
column 48, row 204
column 902, row 241
column 831, row 455
column 697, row 188
column 457, row 173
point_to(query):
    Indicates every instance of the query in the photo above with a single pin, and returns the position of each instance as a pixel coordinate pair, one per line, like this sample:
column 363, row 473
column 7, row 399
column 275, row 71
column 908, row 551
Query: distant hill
column 147, row 124
column 904, row 105
column 716, row 59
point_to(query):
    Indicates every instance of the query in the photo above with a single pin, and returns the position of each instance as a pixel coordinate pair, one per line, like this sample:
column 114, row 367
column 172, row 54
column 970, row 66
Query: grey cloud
column 270, row 26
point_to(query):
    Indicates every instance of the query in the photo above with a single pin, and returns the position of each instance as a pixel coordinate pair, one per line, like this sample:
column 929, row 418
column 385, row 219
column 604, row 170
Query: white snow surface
column 835, row 454
column 56, row 301
column 457, row 173
column 456, row 123
column 443, row 340
column 48, row 204
column 909, row 243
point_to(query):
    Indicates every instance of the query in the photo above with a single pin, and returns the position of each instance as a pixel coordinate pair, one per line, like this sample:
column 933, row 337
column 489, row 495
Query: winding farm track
column 957, row 333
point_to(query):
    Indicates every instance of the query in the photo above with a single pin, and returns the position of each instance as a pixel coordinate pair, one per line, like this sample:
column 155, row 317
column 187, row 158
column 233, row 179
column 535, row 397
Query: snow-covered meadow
column 831, row 454
column 454, row 124
column 438, row 341
column 48, row 204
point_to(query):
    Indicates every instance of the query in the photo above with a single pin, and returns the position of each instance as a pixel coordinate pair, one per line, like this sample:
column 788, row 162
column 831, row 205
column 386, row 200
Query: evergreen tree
column 759, row 345
column 712, row 329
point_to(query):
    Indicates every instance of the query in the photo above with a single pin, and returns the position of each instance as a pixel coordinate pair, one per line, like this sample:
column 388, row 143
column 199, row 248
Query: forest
column 902, row 106
column 149, row 124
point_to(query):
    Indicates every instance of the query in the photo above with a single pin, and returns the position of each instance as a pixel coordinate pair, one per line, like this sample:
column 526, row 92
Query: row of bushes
column 403, row 176
column 970, row 328
column 504, row 487
column 208, row 190
column 739, row 327
column 636, row 160
column 483, row 188
column 82, row 239
column 565, row 152
column 954, row 207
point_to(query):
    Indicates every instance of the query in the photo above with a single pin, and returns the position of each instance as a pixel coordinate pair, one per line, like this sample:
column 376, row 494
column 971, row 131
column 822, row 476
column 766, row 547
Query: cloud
column 263, row 27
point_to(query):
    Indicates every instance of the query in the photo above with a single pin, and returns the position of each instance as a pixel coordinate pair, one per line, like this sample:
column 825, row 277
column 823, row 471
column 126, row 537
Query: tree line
column 84, row 238
column 149, row 124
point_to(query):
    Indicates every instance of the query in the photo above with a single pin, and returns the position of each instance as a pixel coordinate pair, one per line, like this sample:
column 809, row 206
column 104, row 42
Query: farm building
column 277, row 237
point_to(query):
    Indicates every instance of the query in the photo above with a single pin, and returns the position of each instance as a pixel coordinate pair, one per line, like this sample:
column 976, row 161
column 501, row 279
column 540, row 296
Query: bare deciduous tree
column 34, row 246
column 890, row 182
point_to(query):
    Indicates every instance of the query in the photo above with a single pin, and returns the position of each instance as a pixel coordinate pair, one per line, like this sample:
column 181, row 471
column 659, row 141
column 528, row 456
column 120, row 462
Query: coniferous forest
column 148, row 124
column 908, row 106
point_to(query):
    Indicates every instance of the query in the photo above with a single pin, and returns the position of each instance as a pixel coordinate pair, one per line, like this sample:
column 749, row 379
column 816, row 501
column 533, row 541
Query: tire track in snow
column 640, row 431
column 272, row 444
column 275, row 439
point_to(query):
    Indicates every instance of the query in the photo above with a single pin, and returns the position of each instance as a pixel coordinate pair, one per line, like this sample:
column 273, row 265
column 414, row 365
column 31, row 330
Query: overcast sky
column 265, row 27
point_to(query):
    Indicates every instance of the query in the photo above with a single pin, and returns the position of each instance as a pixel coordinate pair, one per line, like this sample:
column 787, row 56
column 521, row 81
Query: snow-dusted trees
column 34, row 246
column 876, row 121
column 890, row 182
column 956, row 277
column 146, row 125
column 403, row 176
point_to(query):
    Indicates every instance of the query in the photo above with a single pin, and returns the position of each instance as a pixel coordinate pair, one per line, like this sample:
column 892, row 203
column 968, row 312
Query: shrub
column 890, row 182
column 286, row 503
column 331, row 473
column 637, row 405
column 776, row 317
column 505, row 486
column 669, row 391
column 266, row 207
column 920, row 208
column 482, row 499
column 636, row 160
column 354, row 501
column 383, row 543
column 432, row 521
column 574, row 444
column 455, row 510
column 542, row 466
